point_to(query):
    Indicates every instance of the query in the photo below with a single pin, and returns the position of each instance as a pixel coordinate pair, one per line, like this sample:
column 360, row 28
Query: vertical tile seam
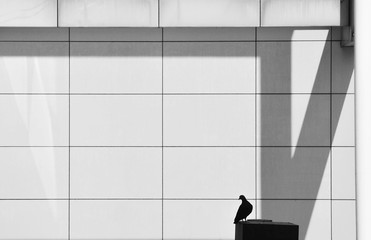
column 256, row 130
column 331, row 140
column 355, row 150
column 158, row 15
column 69, row 133
column 162, row 133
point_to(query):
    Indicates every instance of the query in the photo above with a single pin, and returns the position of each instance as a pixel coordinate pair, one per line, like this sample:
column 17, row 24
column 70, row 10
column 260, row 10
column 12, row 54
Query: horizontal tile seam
column 172, row 199
column 166, row 94
column 160, row 146
column 159, row 41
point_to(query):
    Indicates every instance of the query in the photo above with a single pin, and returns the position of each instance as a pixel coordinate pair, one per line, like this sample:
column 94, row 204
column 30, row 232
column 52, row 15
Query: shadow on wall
column 297, row 169
column 295, row 160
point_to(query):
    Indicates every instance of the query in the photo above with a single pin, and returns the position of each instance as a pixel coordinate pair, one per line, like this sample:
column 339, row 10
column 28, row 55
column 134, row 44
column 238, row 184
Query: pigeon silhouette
column 244, row 210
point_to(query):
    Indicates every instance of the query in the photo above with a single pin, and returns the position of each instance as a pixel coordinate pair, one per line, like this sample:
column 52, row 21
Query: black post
column 266, row 230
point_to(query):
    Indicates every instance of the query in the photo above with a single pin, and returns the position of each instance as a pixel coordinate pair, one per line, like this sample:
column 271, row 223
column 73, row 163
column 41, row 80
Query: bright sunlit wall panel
column 304, row 13
column 108, row 13
column 211, row 13
column 28, row 13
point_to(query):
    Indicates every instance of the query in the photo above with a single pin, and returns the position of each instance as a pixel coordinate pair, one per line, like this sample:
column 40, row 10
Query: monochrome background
column 153, row 133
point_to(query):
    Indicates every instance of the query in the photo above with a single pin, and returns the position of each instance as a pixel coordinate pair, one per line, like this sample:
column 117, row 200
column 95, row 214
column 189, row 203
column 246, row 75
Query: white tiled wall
column 111, row 13
column 119, row 120
column 34, row 219
column 301, row 12
column 344, row 220
column 140, row 133
column 34, row 120
column 34, row 67
column 218, row 169
column 173, row 13
column 28, row 13
column 135, row 67
column 187, row 13
column 223, row 120
column 198, row 67
column 34, row 172
column 111, row 172
column 115, row 219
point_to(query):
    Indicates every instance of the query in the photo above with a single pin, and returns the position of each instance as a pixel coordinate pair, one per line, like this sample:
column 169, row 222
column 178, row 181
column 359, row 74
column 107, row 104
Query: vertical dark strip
column 69, row 133
column 331, row 140
column 158, row 13
column 162, row 133
column 256, row 125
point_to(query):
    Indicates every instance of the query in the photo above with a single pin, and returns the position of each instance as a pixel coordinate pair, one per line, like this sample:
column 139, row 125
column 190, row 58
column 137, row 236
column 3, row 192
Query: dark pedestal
column 266, row 230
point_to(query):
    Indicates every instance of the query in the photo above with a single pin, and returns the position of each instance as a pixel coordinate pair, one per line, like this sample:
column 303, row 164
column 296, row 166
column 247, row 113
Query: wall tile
column 209, row 120
column 116, row 120
column 183, row 218
column 313, row 217
column 343, row 125
column 108, row 13
column 33, row 172
column 222, row 172
column 294, row 173
column 293, row 120
column 344, row 220
column 37, row 219
column 31, row 67
column 34, row 34
column 187, row 13
column 28, row 13
column 33, row 120
column 294, row 67
column 116, row 67
column 196, row 60
column 116, row 219
column 209, row 67
column 343, row 173
column 342, row 68
column 301, row 13
column 116, row 172
column 294, row 34
column 92, row 34
column 209, row 34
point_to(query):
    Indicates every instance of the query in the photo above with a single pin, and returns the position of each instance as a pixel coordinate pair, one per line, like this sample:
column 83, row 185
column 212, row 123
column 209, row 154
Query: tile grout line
column 162, row 133
column 173, row 199
column 251, row 146
column 198, row 41
column 158, row 14
column 69, row 134
column 331, row 138
column 256, row 130
column 171, row 94
column 355, row 154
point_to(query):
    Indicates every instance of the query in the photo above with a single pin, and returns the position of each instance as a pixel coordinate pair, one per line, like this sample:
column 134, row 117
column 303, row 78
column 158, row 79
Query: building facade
column 147, row 119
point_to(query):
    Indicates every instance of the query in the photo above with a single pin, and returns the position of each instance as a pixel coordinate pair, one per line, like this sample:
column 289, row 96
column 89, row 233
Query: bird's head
column 242, row 197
